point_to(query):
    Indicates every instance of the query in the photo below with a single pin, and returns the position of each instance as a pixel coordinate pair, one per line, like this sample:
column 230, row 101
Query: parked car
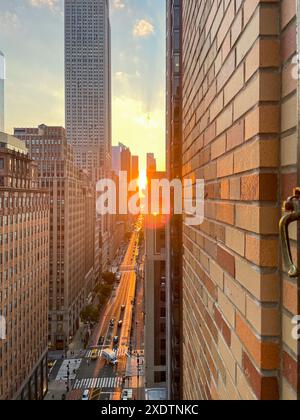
column 116, row 340
column 120, row 323
column 112, row 322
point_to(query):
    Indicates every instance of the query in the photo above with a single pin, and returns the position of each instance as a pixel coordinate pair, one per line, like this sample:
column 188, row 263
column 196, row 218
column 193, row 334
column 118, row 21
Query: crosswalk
column 120, row 353
column 70, row 366
column 88, row 354
column 93, row 383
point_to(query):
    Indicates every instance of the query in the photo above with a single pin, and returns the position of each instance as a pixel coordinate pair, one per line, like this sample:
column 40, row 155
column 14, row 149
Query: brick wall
column 239, row 123
column 289, row 175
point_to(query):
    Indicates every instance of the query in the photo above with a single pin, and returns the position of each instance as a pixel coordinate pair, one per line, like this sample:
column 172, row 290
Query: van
column 110, row 357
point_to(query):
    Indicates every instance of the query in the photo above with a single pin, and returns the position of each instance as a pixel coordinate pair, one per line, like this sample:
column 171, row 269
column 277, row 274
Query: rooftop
column 12, row 143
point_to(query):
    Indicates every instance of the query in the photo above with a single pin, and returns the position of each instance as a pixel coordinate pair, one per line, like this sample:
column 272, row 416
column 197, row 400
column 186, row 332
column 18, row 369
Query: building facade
column 155, row 297
column 24, row 275
column 88, row 83
column 240, row 134
column 2, row 78
column 174, row 171
column 135, row 171
column 151, row 163
column 72, row 223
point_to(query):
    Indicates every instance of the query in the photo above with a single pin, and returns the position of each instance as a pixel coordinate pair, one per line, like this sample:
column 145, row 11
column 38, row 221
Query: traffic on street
column 111, row 368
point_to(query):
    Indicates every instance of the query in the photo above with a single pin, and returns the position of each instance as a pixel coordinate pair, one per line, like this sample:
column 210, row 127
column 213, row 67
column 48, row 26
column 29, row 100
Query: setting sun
column 143, row 180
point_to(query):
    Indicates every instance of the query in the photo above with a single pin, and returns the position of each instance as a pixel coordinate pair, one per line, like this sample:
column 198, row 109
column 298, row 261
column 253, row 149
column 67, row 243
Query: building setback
column 88, row 83
column 24, row 274
column 72, row 222
column 88, row 101
column 174, row 227
column 239, row 128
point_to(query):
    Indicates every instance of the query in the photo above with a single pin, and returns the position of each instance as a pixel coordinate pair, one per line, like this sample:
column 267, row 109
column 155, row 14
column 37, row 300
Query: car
column 123, row 308
column 94, row 355
column 116, row 340
column 101, row 341
column 85, row 395
column 120, row 323
column 51, row 363
column 112, row 322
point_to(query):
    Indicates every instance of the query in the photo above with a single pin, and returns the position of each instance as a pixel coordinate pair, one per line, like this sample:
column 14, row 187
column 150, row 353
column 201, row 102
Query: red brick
column 265, row 353
column 223, row 327
column 265, row 388
column 226, row 261
column 290, row 370
column 257, row 187
column 235, row 135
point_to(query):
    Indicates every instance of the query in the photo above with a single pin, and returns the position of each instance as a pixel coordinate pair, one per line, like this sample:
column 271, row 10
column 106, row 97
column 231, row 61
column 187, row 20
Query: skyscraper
column 155, row 295
column 24, row 274
column 72, row 227
column 88, row 83
column 2, row 77
column 174, row 171
column 151, row 163
column 135, row 168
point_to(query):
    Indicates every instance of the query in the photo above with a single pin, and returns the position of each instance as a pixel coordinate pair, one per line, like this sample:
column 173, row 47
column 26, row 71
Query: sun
column 143, row 180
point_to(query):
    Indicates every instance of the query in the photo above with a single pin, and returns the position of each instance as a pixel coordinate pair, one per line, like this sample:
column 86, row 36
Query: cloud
column 53, row 5
column 143, row 29
column 9, row 22
column 118, row 4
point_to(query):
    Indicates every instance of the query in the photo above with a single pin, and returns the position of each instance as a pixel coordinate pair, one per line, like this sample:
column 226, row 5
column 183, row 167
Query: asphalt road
column 101, row 379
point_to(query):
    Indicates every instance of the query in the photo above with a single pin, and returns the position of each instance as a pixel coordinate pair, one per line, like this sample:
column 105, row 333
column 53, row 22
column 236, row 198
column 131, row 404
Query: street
column 121, row 329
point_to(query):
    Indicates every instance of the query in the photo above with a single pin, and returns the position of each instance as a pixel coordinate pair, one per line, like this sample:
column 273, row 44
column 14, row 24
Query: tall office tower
column 155, row 297
column 24, row 275
column 239, row 125
column 116, row 159
column 126, row 162
column 88, row 83
column 2, row 78
column 151, row 163
column 135, row 172
column 174, row 171
column 72, row 222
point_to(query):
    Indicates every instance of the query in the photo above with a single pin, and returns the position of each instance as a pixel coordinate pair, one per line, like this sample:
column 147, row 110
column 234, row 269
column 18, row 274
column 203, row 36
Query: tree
column 89, row 314
column 108, row 277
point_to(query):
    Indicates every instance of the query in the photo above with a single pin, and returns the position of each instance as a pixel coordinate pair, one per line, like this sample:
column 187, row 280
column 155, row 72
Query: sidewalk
column 55, row 391
column 77, row 345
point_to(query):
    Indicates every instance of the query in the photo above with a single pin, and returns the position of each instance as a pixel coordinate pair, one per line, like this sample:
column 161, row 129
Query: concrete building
column 241, row 134
column 2, row 78
column 174, row 228
column 72, row 222
column 155, row 298
column 88, row 83
column 24, row 274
